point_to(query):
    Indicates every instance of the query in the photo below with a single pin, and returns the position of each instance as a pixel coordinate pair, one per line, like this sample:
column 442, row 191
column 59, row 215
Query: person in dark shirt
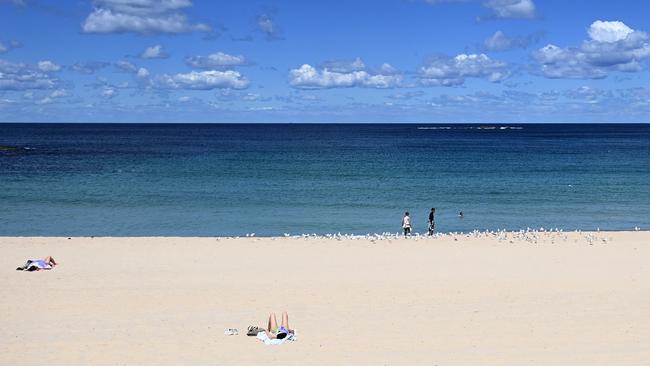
column 432, row 221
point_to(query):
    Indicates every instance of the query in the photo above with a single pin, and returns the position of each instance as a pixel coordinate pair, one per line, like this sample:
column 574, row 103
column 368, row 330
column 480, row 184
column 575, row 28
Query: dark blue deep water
column 203, row 180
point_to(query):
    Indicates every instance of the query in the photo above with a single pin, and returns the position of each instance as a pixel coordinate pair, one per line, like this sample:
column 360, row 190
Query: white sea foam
column 470, row 128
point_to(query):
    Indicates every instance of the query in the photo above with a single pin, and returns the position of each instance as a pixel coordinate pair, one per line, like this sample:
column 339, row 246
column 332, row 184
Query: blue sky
column 499, row 61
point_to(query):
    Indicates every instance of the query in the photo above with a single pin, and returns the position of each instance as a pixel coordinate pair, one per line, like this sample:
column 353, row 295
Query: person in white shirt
column 406, row 224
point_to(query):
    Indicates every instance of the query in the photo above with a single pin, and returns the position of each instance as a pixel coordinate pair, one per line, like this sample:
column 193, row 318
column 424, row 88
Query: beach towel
column 262, row 336
column 34, row 265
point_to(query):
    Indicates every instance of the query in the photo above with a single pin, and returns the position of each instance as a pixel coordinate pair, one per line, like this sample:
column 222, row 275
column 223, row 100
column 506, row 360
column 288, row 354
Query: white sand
column 469, row 301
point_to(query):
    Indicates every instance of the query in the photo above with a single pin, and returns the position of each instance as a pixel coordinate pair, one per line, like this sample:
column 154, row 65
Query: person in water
column 432, row 221
column 461, row 214
column 406, row 224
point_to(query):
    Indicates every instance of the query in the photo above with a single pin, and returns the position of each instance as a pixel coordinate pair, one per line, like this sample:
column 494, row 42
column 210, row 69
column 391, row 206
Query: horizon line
column 329, row 123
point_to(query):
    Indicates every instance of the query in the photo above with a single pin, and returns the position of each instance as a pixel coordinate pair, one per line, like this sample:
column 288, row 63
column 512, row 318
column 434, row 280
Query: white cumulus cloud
column 48, row 66
column 109, row 92
column 142, row 73
column 267, row 25
column 46, row 100
column 230, row 95
column 522, row 9
column 612, row 46
column 346, row 66
column 603, row 31
column 20, row 76
column 216, row 61
column 587, row 94
column 444, row 71
column 499, row 41
column 203, row 80
column 140, row 16
column 344, row 75
column 59, row 93
column 89, row 67
column 153, row 52
column 512, row 8
column 126, row 66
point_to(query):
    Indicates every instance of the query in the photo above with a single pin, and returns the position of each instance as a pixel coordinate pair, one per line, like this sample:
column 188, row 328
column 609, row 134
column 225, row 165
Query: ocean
column 272, row 179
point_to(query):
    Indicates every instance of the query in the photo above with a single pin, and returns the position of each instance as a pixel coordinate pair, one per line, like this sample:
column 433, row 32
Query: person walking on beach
column 406, row 224
column 432, row 221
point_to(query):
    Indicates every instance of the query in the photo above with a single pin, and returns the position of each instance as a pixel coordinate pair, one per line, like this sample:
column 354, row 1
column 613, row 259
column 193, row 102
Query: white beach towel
column 262, row 336
column 34, row 264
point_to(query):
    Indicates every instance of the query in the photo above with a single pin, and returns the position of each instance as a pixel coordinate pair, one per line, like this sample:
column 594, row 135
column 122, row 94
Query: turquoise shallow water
column 112, row 179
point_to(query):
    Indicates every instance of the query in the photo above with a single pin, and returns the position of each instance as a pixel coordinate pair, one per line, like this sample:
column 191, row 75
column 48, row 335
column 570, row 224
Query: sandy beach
column 507, row 299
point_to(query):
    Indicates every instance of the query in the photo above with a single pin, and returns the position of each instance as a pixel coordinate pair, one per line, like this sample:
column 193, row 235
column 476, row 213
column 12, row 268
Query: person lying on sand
column 38, row 264
column 273, row 331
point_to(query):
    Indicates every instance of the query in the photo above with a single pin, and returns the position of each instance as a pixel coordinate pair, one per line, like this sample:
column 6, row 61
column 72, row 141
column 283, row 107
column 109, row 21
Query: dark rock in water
column 8, row 148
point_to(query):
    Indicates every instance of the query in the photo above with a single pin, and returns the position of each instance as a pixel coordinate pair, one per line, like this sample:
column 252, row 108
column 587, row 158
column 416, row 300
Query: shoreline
column 369, row 236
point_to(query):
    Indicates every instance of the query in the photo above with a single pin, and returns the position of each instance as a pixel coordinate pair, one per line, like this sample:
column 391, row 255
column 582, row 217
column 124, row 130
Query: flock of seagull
column 532, row 236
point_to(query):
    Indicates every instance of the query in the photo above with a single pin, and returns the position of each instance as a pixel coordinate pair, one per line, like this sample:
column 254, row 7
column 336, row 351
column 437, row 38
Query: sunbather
column 38, row 264
column 275, row 332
